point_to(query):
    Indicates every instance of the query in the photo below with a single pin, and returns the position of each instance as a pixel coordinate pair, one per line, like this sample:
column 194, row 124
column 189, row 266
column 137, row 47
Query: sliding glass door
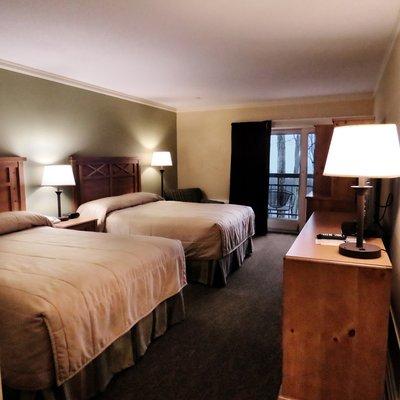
column 291, row 177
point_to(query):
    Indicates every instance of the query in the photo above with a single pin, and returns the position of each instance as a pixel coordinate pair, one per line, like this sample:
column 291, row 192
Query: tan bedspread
column 207, row 231
column 66, row 295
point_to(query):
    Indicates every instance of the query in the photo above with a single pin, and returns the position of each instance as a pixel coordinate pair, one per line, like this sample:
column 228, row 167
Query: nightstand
column 78, row 224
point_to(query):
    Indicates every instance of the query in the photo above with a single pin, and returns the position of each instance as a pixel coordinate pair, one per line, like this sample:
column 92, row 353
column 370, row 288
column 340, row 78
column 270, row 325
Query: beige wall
column 47, row 121
column 204, row 137
column 387, row 109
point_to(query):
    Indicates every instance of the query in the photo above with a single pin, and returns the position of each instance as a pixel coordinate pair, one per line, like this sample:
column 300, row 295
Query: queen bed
column 216, row 237
column 77, row 307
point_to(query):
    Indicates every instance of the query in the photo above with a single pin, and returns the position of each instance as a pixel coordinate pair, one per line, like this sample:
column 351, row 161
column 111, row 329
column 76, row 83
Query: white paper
column 332, row 242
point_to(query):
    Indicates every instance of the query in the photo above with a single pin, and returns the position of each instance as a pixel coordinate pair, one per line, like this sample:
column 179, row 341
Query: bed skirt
column 122, row 354
column 215, row 273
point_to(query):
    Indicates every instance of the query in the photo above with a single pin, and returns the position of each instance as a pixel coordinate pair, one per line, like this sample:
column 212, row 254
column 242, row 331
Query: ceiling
column 204, row 53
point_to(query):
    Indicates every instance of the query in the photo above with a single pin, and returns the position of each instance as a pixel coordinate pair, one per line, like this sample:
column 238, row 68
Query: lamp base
column 367, row 251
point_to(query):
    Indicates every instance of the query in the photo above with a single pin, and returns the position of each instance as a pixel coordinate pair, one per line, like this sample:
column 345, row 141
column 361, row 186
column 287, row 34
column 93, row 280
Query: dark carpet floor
column 229, row 346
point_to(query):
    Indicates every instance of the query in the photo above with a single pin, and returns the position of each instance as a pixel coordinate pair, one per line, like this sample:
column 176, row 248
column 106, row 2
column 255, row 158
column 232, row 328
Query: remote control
column 332, row 236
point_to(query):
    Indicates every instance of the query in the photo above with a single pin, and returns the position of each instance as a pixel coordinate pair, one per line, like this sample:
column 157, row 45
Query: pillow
column 13, row 221
column 100, row 208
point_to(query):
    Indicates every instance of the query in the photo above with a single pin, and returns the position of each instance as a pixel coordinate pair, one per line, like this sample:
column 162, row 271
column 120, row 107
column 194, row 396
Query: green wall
column 46, row 122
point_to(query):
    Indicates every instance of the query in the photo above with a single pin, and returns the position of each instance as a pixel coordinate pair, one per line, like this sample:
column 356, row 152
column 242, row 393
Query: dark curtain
column 250, row 169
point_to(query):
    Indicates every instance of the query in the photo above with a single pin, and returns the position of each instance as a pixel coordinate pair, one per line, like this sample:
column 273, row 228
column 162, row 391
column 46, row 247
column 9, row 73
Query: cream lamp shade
column 363, row 151
column 369, row 151
column 58, row 175
column 161, row 159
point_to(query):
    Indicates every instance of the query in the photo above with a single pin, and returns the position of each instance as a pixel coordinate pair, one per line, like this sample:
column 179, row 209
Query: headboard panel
column 12, row 185
column 98, row 177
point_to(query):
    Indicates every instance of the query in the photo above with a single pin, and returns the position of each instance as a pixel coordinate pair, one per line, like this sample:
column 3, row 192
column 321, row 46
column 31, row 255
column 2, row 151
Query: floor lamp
column 363, row 151
column 161, row 159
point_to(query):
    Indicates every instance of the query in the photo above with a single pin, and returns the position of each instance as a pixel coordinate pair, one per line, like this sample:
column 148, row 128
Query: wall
column 387, row 109
column 204, row 137
column 47, row 121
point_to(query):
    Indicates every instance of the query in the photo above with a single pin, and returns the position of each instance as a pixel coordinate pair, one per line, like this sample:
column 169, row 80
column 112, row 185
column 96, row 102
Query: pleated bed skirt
column 122, row 354
column 215, row 273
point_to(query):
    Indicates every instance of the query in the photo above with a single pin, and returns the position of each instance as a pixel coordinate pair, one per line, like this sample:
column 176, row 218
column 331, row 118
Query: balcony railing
column 283, row 200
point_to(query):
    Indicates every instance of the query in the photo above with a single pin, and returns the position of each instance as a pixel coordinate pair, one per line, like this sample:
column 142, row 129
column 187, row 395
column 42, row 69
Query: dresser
column 335, row 318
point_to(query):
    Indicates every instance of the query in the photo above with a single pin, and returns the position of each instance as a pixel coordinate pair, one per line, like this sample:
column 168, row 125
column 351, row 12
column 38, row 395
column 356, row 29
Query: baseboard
column 392, row 382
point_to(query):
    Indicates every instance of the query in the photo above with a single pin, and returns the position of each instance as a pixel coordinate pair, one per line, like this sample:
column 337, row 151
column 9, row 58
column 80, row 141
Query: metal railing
column 283, row 199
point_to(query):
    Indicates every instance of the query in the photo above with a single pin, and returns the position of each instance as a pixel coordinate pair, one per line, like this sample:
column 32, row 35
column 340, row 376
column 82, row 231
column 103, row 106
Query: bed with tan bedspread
column 65, row 295
column 208, row 232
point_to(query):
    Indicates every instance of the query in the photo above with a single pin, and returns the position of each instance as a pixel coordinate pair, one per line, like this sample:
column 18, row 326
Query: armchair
column 193, row 195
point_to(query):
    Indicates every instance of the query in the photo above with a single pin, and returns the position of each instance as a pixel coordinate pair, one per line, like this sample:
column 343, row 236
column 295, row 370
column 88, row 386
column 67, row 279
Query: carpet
column 229, row 346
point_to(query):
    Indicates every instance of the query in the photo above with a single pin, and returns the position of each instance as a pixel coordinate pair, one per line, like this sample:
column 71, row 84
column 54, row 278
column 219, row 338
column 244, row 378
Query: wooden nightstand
column 78, row 224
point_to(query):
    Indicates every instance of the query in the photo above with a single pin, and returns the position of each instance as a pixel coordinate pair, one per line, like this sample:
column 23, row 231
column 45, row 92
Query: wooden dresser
column 335, row 318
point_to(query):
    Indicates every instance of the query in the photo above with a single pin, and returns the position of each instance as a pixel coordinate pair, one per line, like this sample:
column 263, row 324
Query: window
column 291, row 176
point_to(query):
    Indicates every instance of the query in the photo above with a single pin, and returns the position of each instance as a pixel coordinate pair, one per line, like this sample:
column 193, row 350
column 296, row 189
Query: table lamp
column 363, row 151
column 58, row 176
column 161, row 159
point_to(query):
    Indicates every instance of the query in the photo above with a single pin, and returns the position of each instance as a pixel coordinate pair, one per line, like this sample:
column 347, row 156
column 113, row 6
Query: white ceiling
column 202, row 53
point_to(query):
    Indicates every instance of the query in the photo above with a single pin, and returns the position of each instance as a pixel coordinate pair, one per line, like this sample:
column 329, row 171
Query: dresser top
column 305, row 247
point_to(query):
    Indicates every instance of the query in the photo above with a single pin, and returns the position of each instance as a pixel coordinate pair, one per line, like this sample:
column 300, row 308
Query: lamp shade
column 58, row 175
column 161, row 159
column 370, row 151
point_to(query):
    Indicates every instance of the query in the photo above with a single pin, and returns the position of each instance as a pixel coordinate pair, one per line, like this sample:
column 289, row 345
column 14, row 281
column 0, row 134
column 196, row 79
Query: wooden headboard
column 12, row 186
column 98, row 177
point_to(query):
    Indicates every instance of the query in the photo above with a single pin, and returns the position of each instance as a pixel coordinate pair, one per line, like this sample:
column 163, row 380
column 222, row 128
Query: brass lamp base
column 366, row 251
